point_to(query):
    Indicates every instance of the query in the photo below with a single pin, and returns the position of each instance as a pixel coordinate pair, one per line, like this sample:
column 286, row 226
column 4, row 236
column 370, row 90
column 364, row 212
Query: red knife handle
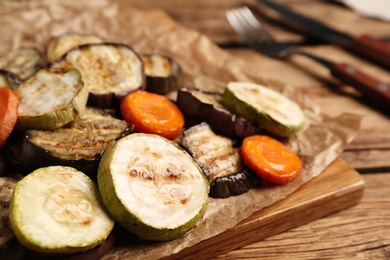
column 372, row 48
column 372, row 88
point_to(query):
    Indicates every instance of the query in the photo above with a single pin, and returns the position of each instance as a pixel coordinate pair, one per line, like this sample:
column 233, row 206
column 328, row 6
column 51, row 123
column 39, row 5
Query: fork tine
column 248, row 26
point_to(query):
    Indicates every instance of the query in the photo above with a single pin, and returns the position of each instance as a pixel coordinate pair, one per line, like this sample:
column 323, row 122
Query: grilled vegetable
column 95, row 253
column 152, row 187
column 209, row 107
column 9, row 102
column 153, row 114
column 24, row 62
column 264, row 107
column 59, row 45
column 78, row 144
column 163, row 74
column 58, row 209
column 270, row 159
column 4, row 165
column 51, row 99
column 110, row 71
column 220, row 161
column 9, row 79
column 9, row 246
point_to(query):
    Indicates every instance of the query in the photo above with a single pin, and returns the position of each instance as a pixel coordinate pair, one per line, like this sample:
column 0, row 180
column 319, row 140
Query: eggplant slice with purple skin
column 220, row 161
column 208, row 106
column 110, row 71
column 9, row 79
column 163, row 74
column 23, row 62
column 78, row 144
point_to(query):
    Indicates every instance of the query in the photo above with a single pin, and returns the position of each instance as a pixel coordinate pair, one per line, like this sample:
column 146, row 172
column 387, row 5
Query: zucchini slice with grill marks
column 78, row 144
column 152, row 186
column 59, row 210
column 61, row 44
column 163, row 74
column 50, row 99
column 23, row 62
column 209, row 107
column 264, row 107
column 220, row 161
column 109, row 70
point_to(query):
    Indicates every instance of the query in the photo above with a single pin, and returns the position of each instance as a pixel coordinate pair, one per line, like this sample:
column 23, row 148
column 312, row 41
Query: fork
column 247, row 25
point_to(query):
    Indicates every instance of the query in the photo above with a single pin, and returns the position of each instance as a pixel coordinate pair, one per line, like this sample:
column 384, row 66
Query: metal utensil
column 247, row 25
column 364, row 45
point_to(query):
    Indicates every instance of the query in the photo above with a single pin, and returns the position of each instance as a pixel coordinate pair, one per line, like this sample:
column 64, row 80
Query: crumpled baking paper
column 32, row 23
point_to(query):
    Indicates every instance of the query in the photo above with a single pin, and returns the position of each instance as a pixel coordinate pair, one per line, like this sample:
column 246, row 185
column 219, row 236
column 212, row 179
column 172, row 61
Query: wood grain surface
column 361, row 231
column 348, row 223
column 337, row 188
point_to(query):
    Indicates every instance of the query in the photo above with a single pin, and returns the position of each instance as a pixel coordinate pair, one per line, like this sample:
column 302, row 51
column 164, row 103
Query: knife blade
column 366, row 46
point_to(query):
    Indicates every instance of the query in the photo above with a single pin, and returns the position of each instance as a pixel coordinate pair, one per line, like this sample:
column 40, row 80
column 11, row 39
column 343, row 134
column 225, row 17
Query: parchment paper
column 207, row 67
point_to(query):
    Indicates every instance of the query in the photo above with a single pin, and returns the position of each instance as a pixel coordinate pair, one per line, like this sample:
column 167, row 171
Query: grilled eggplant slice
column 59, row 210
column 78, row 144
column 110, row 71
column 163, row 74
column 220, row 161
column 209, row 107
column 50, row 99
column 59, row 45
column 264, row 107
column 24, row 62
column 9, row 246
column 9, row 79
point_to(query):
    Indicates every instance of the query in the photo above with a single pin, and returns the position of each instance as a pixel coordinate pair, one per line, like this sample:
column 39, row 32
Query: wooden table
column 359, row 232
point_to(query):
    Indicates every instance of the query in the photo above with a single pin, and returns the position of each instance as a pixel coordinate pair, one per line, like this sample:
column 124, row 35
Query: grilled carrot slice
column 270, row 159
column 9, row 102
column 153, row 114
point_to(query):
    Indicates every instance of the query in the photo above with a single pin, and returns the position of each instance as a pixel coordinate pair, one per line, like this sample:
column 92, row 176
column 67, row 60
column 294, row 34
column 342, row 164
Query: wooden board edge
column 337, row 188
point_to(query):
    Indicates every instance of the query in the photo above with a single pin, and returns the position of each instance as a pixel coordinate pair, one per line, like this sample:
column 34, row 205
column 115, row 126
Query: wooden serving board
column 335, row 189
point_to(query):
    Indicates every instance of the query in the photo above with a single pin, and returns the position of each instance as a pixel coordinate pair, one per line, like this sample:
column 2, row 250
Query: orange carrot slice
column 9, row 102
column 270, row 159
column 153, row 114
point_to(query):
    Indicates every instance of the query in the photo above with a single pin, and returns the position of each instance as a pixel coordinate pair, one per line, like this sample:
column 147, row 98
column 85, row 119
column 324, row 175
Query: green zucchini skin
column 126, row 215
column 215, row 113
column 257, row 116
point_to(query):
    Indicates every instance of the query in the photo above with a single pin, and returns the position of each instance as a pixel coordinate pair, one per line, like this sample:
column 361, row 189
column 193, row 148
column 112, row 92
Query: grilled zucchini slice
column 152, row 187
column 23, row 62
column 208, row 106
column 50, row 99
column 61, row 44
column 264, row 107
column 59, row 210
